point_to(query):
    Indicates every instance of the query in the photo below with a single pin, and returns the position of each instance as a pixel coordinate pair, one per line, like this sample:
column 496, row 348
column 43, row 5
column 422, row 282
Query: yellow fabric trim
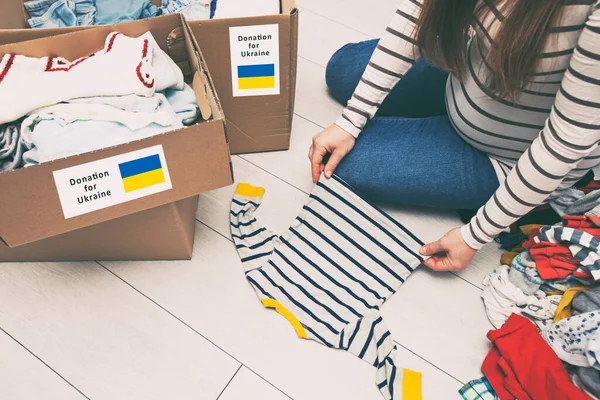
column 270, row 303
column 508, row 257
column 261, row 82
column 564, row 307
column 141, row 181
column 247, row 190
column 412, row 385
column 526, row 229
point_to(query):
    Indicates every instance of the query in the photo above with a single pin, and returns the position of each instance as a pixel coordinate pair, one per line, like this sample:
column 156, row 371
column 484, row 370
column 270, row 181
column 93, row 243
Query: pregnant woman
column 468, row 104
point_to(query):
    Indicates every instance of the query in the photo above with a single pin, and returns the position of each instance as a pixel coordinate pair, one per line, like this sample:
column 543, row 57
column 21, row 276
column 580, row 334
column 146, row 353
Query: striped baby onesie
column 330, row 273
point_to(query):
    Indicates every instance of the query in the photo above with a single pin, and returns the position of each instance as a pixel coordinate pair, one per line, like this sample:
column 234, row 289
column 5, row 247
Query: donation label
column 254, row 60
column 103, row 183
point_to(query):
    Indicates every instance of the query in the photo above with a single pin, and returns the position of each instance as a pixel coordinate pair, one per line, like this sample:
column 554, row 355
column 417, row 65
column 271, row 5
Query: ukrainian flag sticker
column 254, row 60
column 260, row 76
column 141, row 173
column 109, row 181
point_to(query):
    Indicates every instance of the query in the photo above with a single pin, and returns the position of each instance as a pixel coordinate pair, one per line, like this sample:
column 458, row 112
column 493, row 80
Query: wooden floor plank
column 104, row 337
column 312, row 101
column 368, row 18
column 441, row 318
column 23, row 376
column 319, row 37
column 246, row 385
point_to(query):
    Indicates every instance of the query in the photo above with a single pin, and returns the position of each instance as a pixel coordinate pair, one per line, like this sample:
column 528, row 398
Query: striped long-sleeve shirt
column 541, row 143
column 330, row 273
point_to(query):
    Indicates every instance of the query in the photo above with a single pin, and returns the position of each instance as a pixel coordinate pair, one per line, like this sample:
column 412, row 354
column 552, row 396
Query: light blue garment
column 30, row 157
column 192, row 9
column 60, row 13
column 48, row 137
column 116, row 11
column 184, row 103
column 53, row 140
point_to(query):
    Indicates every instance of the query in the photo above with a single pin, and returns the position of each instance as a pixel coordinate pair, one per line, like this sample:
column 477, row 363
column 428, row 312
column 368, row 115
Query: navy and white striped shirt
column 330, row 273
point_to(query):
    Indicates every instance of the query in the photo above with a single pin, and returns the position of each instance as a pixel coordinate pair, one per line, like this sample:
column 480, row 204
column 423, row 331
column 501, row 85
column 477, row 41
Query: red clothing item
column 552, row 260
column 522, row 365
column 585, row 223
column 590, row 187
column 532, row 234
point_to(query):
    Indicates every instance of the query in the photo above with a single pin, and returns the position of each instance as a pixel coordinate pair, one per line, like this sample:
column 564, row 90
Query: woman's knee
column 334, row 73
column 345, row 68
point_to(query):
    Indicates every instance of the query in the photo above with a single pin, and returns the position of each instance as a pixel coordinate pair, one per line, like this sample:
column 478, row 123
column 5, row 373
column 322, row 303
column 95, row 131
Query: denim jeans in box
column 60, row 13
column 116, row 11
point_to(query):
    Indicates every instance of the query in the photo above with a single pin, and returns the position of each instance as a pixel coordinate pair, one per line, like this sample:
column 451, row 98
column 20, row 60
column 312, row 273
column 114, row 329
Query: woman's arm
column 395, row 54
column 571, row 133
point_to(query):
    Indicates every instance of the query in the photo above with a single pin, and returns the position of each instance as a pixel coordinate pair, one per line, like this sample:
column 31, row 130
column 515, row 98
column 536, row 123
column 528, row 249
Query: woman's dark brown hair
column 444, row 24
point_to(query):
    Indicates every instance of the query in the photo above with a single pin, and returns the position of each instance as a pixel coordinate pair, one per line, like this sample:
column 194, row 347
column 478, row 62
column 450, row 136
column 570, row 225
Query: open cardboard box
column 35, row 223
column 257, row 122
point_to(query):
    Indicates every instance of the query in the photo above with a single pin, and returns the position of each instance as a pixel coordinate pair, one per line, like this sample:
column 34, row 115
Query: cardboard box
column 41, row 220
column 254, row 123
column 262, row 122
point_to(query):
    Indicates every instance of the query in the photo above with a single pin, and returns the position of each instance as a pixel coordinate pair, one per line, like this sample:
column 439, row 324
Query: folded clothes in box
column 121, row 131
column 137, row 91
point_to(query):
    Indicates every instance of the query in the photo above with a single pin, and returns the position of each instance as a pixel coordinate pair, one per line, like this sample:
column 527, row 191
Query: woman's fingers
column 431, row 249
column 316, row 162
column 333, row 162
column 329, row 141
column 439, row 257
column 431, row 263
column 450, row 253
column 439, row 263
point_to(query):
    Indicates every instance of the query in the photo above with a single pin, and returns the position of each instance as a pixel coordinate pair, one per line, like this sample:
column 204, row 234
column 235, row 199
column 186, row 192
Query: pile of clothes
column 129, row 90
column 544, row 301
column 62, row 13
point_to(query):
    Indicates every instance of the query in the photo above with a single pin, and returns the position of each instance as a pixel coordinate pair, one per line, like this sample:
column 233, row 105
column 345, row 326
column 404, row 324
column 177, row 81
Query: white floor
column 195, row 330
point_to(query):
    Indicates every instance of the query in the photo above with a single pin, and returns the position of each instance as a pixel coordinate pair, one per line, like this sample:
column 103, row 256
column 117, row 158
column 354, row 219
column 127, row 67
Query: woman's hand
column 333, row 140
column 450, row 253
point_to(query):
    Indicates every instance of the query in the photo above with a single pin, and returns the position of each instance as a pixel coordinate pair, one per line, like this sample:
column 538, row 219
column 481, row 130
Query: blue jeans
column 117, row 11
column 410, row 153
column 60, row 13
